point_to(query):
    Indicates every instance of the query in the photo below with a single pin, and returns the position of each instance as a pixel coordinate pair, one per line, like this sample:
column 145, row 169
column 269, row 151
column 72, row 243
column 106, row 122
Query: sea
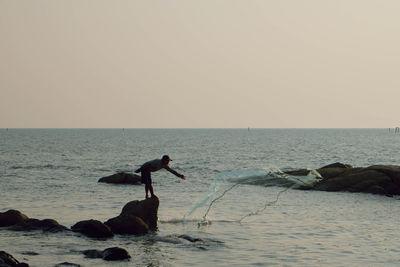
column 233, row 208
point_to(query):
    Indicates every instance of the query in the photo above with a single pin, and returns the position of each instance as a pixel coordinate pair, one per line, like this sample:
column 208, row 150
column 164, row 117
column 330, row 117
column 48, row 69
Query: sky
column 199, row 64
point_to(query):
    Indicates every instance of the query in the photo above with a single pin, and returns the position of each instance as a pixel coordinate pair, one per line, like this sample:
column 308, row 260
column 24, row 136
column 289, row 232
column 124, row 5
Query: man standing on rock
column 152, row 166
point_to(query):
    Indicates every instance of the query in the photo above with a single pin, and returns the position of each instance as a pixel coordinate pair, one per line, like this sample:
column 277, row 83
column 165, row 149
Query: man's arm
column 139, row 170
column 174, row 172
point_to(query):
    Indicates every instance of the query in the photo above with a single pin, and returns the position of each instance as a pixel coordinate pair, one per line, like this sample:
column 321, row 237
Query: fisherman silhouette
column 155, row 165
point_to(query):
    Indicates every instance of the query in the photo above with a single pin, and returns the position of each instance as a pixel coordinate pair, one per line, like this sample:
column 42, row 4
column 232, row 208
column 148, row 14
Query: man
column 152, row 166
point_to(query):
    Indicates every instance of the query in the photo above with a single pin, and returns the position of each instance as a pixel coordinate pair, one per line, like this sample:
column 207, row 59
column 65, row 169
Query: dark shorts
column 146, row 177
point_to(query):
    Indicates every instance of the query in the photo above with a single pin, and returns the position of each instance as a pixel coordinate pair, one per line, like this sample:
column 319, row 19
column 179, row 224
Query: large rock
column 377, row 179
column 146, row 210
column 137, row 217
column 121, row 178
column 11, row 217
column 93, row 228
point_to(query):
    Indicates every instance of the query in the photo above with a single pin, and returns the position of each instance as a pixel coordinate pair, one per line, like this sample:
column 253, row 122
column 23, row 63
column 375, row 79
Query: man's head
column 165, row 159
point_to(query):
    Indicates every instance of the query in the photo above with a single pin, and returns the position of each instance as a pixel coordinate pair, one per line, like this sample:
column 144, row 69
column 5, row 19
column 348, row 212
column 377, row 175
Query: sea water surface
column 53, row 173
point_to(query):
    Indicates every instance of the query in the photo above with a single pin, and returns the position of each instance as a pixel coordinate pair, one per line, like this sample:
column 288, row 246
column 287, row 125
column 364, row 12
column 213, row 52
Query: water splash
column 270, row 177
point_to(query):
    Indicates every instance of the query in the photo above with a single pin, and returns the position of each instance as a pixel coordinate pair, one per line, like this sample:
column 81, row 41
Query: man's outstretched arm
column 175, row 172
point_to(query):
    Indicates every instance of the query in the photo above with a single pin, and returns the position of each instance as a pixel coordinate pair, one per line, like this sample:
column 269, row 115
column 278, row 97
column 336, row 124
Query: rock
column 301, row 172
column 122, row 178
column 11, row 217
column 93, row 228
column 7, row 260
column 46, row 225
column 137, row 217
column 115, row 254
column 338, row 165
column 93, row 254
column 331, row 172
column 127, row 224
column 146, row 210
column 377, row 179
column 109, row 254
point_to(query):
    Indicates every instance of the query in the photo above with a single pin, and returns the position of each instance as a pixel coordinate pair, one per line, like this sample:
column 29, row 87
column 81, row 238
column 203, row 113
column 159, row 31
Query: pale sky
column 199, row 64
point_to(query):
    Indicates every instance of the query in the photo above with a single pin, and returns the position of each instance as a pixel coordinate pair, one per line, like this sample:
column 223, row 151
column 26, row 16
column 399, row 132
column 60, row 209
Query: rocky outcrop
column 121, row 178
column 93, row 228
column 11, row 217
column 7, row 260
column 137, row 217
column 376, row 179
column 109, row 254
column 17, row 221
column 146, row 210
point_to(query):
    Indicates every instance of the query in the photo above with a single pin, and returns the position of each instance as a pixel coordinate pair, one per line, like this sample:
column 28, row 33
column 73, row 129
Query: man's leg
column 151, row 190
column 147, row 181
column 146, row 188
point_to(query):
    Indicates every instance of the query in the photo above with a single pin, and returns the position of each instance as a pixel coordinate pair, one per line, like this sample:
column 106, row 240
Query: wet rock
column 93, row 228
column 7, row 260
column 137, row 217
column 301, row 172
column 11, row 217
column 109, row 254
column 127, row 224
column 93, row 254
column 146, row 210
column 377, row 179
column 115, row 254
column 337, row 165
column 121, row 178
column 46, row 225
column 331, row 172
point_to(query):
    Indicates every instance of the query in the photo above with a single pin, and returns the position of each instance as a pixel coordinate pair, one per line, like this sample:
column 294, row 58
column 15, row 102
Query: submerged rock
column 122, row 178
column 93, row 228
column 11, row 217
column 109, row 254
